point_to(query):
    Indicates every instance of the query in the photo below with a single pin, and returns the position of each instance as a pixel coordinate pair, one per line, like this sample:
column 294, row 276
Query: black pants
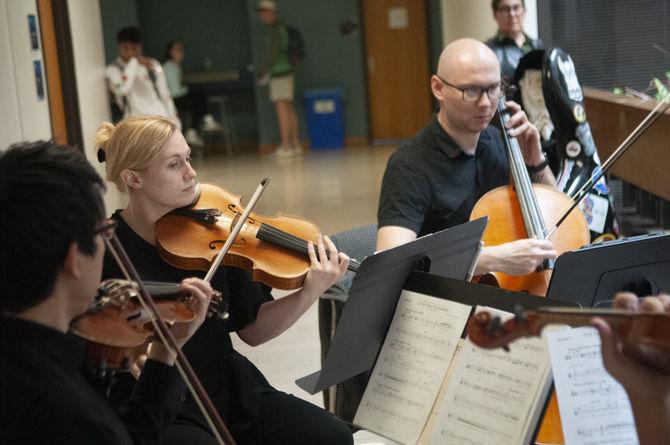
column 284, row 419
column 190, row 108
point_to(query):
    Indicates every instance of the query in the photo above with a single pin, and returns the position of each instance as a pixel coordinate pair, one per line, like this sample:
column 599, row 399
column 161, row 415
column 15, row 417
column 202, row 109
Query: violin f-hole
column 238, row 242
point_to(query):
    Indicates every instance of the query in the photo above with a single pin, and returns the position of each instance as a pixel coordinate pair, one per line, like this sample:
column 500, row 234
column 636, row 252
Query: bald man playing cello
column 434, row 179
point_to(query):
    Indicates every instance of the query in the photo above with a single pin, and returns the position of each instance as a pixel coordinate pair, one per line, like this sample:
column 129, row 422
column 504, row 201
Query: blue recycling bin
column 323, row 112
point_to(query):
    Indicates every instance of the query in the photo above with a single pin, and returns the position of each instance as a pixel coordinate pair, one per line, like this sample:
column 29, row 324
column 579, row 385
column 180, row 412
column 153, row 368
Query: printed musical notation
column 411, row 366
column 594, row 408
column 494, row 396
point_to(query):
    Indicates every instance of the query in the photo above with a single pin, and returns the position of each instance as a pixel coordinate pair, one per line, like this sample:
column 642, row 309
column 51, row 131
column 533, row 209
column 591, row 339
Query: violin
column 520, row 211
column 166, row 337
column 645, row 336
column 117, row 329
column 273, row 248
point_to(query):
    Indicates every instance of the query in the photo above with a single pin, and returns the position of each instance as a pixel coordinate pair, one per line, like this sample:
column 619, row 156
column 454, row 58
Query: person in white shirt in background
column 137, row 82
column 172, row 59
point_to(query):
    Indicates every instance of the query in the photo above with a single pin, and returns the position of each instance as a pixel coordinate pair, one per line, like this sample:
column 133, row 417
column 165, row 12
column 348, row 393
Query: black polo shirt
column 430, row 184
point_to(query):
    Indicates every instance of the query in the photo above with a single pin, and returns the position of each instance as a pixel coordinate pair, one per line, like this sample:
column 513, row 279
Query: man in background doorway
column 276, row 71
column 510, row 42
column 137, row 83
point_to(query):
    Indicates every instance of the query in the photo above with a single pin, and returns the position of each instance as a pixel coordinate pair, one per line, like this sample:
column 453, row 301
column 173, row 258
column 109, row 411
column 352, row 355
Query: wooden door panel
column 397, row 67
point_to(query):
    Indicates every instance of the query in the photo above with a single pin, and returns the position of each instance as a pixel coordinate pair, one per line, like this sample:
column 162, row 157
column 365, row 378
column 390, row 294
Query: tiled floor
column 337, row 190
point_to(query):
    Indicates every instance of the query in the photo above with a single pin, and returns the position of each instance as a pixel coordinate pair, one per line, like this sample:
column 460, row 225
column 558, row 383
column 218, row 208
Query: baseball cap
column 266, row 5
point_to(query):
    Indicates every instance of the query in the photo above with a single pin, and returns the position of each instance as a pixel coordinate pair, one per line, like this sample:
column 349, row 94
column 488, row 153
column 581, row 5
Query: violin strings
column 282, row 238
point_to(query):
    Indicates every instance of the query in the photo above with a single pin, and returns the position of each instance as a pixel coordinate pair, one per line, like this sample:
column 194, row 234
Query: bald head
column 467, row 86
column 467, row 58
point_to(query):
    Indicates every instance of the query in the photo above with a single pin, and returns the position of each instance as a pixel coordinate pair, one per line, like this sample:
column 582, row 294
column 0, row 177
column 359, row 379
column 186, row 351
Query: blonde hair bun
column 131, row 144
column 102, row 136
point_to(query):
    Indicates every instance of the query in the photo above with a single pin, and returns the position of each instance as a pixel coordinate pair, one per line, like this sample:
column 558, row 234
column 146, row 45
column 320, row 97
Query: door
column 398, row 77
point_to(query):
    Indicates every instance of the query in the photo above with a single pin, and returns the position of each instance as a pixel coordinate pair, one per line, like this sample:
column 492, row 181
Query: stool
column 227, row 128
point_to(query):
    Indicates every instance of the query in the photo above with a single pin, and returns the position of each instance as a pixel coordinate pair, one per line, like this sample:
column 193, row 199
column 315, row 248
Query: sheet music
column 594, row 407
column 411, row 366
column 425, row 435
column 494, row 396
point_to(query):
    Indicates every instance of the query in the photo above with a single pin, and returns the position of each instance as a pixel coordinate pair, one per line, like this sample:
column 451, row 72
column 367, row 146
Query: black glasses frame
column 107, row 228
column 490, row 91
column 508, row 10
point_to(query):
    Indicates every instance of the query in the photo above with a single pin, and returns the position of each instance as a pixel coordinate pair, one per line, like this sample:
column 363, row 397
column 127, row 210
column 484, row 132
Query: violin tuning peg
column 495, row 325
column 222, row 311
column 519, row 314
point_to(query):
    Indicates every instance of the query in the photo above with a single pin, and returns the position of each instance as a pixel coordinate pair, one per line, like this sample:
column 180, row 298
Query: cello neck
column 530, row 210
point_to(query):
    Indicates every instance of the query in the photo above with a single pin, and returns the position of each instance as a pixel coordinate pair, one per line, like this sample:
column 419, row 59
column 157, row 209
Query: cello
column 521, row 210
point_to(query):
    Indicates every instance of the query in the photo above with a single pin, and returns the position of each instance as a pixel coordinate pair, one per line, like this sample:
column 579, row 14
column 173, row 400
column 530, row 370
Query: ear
column 436, row 87
column 131, row 178
column 71, row 261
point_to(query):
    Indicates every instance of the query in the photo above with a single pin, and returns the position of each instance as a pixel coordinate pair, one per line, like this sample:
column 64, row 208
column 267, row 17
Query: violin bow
column 192, row 381
column 654, row 114
column 236, row 229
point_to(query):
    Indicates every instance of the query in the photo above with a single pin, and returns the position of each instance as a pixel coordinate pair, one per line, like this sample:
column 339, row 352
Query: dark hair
column 50, row 197
column 496, row 3
column 168, row 49
column 129, row 34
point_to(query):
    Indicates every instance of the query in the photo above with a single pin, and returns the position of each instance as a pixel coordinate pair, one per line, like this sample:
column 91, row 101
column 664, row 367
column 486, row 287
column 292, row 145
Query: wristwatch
column 541, row 166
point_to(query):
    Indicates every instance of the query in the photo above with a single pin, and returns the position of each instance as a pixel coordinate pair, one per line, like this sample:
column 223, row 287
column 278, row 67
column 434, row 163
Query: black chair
column 343, row 399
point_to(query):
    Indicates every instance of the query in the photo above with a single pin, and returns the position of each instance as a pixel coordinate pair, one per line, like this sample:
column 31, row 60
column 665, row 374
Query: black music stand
column 374, row 294
column 592, row 275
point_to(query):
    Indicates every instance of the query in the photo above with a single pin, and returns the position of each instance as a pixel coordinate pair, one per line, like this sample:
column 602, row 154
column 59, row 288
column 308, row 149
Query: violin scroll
column 645, row 337
column 118, row 329
column 488, row 331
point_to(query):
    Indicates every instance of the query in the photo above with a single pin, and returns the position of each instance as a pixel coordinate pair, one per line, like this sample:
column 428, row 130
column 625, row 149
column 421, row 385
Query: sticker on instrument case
column 573, row 149
column 584, row 136
column 601, row 185
column 579, row 113
column 595, row 210
column 567, row 68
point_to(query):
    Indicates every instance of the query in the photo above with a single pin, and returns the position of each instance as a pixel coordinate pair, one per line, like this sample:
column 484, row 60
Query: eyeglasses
column 473, row 94
column 508, row 10
column 106, row 229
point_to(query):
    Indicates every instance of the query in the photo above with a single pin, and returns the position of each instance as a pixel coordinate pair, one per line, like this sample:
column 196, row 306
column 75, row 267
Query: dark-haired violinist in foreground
column 147, row 157
column 648, row 389
column 51, row 255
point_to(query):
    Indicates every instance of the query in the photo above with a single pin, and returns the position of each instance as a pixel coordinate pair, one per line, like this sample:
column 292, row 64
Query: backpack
column 296, row 45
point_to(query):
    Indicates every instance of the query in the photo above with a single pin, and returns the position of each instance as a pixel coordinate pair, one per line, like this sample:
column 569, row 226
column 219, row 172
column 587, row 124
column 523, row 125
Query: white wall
column 89, row 60
column 10, row 125
column 474, row 18
column 24, row 115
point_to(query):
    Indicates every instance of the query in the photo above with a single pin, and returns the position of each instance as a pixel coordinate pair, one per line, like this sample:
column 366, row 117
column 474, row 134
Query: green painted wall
column 225, row 32
column 213, row 29
column 116, row 14
column 332, row 59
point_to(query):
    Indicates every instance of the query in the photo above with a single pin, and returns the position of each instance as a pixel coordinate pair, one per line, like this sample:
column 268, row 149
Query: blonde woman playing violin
column 148, row 158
